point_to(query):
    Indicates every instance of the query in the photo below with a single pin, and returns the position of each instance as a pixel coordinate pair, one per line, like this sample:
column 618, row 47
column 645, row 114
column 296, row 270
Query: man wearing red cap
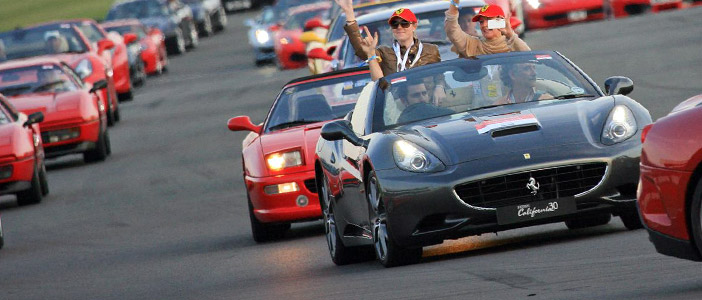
column 495, row 40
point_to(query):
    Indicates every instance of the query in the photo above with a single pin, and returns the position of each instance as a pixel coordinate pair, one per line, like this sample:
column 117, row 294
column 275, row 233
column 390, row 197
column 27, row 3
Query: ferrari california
column 404, row 171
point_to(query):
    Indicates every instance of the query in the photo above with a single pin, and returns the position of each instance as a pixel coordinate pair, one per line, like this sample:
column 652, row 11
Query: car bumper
column 661, row 195
column 284, row 207
column 22, row 172
column 672, row 246
column 425, row 209
column 264, row 53
column 89, row 135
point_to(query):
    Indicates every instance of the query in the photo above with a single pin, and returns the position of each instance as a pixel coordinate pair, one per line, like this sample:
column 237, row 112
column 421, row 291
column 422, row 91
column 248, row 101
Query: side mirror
column 341, row 129
column 310, row 36
column 243, row 123
column 514, row 22
column 130, row 38
column 105, row 45
column 319, row 53
column 98, row 85
column 315, row 23
column 618, row 85
column 34, row 118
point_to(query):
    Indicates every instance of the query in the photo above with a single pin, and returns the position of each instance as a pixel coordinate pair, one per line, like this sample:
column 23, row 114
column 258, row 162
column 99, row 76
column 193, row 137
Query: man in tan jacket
column 494, row 40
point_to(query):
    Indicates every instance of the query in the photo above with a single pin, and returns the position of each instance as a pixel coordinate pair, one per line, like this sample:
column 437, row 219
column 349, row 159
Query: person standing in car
column 407, row 50
column 494, row 40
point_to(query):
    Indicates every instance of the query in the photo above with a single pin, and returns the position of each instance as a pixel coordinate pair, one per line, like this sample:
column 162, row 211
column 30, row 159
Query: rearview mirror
column 98, row 85
column 341, row 129
column 34, row 118
column 130, row 38
column 618, row 85
column 243, row 123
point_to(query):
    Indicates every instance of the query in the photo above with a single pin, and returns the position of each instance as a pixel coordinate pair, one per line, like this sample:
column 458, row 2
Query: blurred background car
column 74, row 118
column 209, row 15
column 260, row 34
column 151, row 41
column 289, row 49
column 172, row 17
column 67, row 43
column 551, row 13
column 670, row 188
column 22, row 170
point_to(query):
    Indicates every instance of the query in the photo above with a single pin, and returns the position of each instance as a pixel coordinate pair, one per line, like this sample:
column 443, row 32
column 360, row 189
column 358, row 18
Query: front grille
column 311, row 185
column 512, row 189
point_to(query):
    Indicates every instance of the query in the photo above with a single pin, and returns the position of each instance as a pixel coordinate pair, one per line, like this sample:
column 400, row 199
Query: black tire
column 110, row 116
column 206, row 28
column 43, row 181
column 340, row 254
column 2, row 236
column 127, row 96
column 33, row 194
column 176, row 46
column 116, row 116
column 108, row 144
column 221, row 20
column 263, row 232
column 99, row 153
column 631, row 219
column 695, row 218
column 389, row 253
column 194, row 38
column 589, row 221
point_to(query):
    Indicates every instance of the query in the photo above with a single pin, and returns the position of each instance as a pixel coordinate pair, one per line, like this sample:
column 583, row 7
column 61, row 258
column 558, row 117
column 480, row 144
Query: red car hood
column 687, row 104
column 302, row 137
column 54, row 106
column 8, row 134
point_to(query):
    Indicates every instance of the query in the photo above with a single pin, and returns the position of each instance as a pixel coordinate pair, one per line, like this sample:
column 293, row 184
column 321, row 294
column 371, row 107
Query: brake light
column 645, row 131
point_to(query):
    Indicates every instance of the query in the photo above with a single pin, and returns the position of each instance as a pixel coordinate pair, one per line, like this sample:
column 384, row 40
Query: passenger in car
column 521, row 79
column 3, row 54
column 415, row 97
column 493, row 40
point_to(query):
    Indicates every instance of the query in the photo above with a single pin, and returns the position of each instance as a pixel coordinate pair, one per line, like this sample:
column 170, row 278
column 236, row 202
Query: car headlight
column 284, row 41
column 279, row 161
column 534, row 3
column 84, row 68
column 412, row 158
column 620, row 125
column 262, row 36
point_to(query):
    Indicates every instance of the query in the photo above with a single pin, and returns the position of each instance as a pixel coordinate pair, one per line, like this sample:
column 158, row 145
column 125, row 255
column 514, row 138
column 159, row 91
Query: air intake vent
column 515, row 130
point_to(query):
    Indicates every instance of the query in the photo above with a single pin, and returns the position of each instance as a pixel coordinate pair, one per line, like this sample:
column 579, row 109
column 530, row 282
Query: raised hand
column 369, row 42
column 507, row 31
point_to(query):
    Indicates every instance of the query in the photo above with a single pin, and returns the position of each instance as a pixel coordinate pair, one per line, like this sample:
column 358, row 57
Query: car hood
column 518, row 128
column 8, row 135
column 301, row 137
column 54, row 106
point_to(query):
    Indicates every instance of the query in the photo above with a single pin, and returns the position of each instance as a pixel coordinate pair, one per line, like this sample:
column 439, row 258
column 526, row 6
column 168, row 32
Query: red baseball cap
column 489, row 11
column 405, row 14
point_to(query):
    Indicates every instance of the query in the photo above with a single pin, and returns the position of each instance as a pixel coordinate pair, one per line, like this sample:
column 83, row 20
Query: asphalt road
column 165, row 216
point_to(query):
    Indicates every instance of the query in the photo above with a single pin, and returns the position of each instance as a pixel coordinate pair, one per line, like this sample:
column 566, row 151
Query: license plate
column 577, row 15
column 535, row 210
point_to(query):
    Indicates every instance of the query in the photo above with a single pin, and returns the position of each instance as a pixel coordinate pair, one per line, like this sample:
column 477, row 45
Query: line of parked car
column 62, row 82
column 390, row 171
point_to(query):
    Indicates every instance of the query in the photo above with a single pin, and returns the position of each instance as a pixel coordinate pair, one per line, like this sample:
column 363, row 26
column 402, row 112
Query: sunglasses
column 395, row 24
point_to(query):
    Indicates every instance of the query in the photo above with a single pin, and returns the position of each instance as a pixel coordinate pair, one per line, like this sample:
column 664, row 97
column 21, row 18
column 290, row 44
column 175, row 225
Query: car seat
column 312, row 107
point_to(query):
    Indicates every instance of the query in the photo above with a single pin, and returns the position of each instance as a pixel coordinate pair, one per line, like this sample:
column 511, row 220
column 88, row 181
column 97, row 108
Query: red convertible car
column 551, row 13
column 152, row 41
column 22, row 170
column 74, row 118
column 291, row 52
column 670, row 187
column 69, row 44
column 278, row 155
column 625, row 8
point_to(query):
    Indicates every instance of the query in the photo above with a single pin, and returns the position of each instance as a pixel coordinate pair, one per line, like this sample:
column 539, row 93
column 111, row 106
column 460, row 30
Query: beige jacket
column 466, row 45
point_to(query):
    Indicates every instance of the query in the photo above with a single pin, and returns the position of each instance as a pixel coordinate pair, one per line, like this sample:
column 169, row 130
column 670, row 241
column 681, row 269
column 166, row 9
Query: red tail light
column 645, row 131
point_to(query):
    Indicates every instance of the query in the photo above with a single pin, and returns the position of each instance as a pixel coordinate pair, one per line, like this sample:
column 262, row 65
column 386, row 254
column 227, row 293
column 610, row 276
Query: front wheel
column 263, row 232
column 389, row 253
column 194, row 39
column 631, row 219
column 696, row 216
column 33, row 194
column 43, row 181
column 99, row 153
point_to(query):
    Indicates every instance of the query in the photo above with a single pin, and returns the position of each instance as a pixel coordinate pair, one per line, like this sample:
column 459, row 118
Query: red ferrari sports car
column 117, row 55
column 22, row 170
column 625, row 8
column 670, row 187
column 551, row 13
column 278, row 155
column 67, row 43
column 74, row 118
column 152, row 42
column 291, row 52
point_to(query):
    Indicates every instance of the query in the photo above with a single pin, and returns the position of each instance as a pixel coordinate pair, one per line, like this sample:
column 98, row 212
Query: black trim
column 323, row 75
column 671, row 246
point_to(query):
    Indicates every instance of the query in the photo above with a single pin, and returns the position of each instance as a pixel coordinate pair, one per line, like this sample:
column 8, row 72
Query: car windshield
column 43, row 40
column 35, row 79
column 430, row 29
column 473, row 84
column 137, row 9
column 316, row 101
column 90, row 31
column 297, row 21
column 138, row 30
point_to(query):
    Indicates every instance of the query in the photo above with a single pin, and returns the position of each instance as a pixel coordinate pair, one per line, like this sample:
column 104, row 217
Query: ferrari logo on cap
column 484, row 8
column 399, row 11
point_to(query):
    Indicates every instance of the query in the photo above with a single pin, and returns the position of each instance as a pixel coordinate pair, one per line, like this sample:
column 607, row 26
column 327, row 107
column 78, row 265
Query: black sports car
column 520, row 139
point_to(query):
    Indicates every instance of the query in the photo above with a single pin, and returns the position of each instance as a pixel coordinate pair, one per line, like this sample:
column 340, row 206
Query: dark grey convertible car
column 520, row 139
